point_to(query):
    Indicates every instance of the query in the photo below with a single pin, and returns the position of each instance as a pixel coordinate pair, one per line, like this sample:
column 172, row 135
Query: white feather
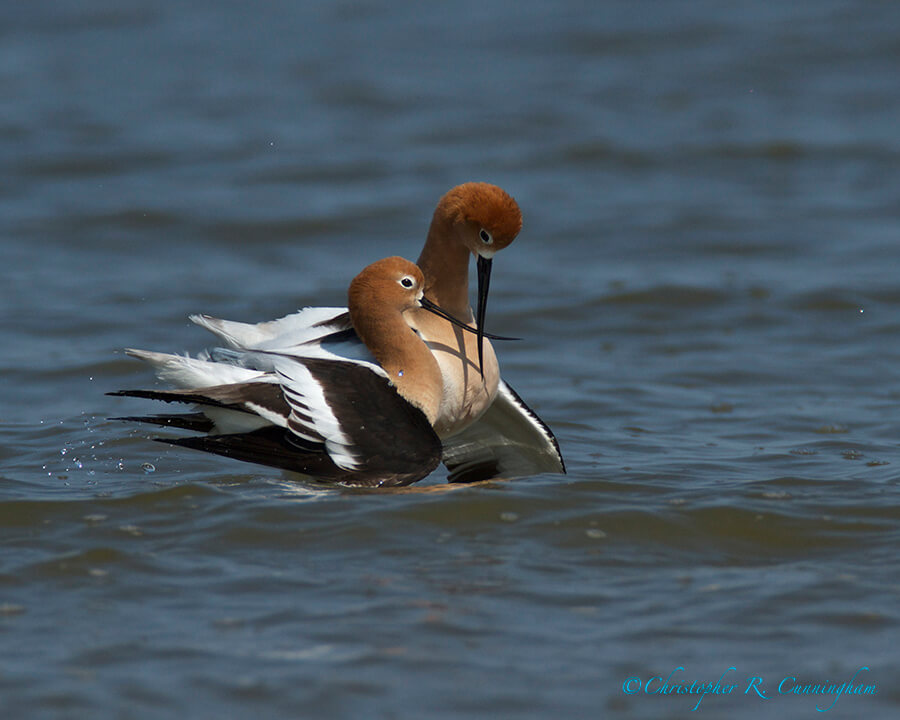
column 300, row 385
column 186, row 372
column 230, row 422
column 307, row 325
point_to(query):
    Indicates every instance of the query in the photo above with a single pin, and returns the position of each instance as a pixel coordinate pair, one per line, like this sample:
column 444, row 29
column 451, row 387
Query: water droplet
column 595, row 533
column 148, row 468
column 509, row 516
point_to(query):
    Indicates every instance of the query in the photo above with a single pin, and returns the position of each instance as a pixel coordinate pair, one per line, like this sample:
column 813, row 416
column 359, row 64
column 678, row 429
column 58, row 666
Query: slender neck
column 445, row 263
column 406, row 359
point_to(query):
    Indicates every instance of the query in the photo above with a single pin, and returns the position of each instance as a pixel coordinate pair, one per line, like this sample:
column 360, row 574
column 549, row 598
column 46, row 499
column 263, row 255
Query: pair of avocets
column 381, row 392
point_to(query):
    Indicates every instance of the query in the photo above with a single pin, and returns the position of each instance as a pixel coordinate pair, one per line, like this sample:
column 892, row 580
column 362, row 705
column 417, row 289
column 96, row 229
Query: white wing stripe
column 267, row 414
column 297, row 380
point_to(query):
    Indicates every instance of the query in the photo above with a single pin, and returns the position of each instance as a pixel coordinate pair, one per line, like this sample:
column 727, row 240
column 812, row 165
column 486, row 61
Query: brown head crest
column 486, row 205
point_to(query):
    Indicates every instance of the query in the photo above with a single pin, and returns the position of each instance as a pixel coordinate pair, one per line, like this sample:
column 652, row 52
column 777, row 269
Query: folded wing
column 341, row 421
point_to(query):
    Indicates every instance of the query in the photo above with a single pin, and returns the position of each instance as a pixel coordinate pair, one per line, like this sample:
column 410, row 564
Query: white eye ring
column 407, row 282
column 486, row 237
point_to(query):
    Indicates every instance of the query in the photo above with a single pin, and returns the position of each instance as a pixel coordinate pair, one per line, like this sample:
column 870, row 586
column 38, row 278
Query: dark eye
column 407, row 282
column 485, row 237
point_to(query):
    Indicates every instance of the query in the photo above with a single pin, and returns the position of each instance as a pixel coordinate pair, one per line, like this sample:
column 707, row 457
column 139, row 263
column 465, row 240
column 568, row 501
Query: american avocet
column 486, row 428
column 323, row 409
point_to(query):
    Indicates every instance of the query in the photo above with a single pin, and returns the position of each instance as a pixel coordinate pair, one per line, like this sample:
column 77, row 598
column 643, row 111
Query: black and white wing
column 340, row 421
column 366, row 427
column 509, row 440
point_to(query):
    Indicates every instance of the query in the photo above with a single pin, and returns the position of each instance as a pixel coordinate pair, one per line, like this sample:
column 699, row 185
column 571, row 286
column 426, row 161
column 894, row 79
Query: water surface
column 707, row 287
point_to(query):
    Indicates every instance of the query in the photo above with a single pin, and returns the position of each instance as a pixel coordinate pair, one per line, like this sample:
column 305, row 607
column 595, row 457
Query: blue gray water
column 708, row 288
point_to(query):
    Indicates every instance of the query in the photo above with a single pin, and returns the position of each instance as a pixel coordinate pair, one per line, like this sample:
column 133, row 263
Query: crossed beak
column 484, row 285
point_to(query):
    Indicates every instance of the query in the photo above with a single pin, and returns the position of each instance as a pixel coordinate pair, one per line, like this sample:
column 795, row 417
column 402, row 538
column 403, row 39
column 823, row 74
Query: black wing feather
column 392, row 439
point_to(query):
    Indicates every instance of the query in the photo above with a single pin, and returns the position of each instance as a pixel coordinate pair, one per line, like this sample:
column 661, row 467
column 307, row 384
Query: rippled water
column 707, row 284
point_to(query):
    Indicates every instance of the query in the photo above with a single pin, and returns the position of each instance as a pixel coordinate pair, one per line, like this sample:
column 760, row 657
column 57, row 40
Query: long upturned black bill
column 484, row 285
column 431, row 307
